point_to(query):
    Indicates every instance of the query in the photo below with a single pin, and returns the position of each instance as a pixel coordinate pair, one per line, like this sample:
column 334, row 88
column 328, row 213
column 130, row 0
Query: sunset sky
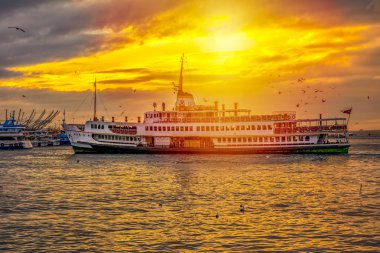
column 253, row 52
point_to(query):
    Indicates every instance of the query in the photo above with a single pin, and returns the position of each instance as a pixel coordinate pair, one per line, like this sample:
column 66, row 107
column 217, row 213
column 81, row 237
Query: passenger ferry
column 12, row 135
column 194, row 129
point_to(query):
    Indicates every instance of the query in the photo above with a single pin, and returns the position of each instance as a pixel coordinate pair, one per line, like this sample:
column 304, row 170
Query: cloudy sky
column 251, row 51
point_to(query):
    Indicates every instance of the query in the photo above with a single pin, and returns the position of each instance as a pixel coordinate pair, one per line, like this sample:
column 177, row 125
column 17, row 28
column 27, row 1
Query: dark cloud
column 131, row 70
column 9, row 7
column 9, row 74
column 57, row 30
column 369, row 58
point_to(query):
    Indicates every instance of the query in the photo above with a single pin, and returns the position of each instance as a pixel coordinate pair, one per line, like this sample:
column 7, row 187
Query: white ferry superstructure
column 194, row 129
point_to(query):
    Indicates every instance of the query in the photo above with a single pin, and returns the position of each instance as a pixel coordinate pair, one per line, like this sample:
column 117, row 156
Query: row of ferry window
column 264, row 139
column 207, row 128
column 95, row 126
column 118, row 138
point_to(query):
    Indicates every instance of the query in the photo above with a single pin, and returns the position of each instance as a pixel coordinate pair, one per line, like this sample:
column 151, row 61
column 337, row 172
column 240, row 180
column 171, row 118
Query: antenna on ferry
column 64, row 117
column 95, row 118
column 181, row 76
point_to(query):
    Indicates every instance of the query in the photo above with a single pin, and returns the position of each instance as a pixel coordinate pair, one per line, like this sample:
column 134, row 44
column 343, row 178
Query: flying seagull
column 17, row 28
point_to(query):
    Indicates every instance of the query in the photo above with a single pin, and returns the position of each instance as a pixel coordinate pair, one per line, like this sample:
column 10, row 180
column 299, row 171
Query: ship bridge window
column 146, row 128
column 159, row 128
column 238, row 128
column 260, row 139
column 294, row 138
column 163, row 128
column 155, row 128
column 307, row 138
column 181, row 128
column 173, row 129
column 168, row 128
column 177, row 128
column 150, row 128
column 288, row 138
column 217, row 128
column 242, row 127
column 269, row 127
column 277, row 139
column 202, row 128
column 283, row 139
column 207, row 128
column 186, row 128
column 249, row 139
column 258, row 127
column 264, row 127
column 253, row 127
column 300, row 138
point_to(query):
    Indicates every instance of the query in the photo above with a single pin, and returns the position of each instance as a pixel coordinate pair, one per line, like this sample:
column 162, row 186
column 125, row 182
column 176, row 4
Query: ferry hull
column 315, row 149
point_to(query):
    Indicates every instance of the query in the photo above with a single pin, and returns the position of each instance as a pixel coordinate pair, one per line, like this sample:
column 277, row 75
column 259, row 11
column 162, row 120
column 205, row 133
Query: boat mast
column 95, row 118
column 180, row 91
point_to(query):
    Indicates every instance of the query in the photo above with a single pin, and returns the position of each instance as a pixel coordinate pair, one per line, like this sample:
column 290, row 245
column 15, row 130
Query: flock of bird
column 310, row 93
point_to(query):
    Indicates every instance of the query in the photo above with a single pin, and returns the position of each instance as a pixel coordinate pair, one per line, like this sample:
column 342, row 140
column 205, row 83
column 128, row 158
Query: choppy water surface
column 49, row 202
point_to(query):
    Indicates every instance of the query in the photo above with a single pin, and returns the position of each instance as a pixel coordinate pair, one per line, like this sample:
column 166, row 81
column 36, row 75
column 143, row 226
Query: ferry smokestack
column 113, row 119
column 163, row 106
column 126, row 119
column 138, row 119
column 216, row 105
column 320, row 117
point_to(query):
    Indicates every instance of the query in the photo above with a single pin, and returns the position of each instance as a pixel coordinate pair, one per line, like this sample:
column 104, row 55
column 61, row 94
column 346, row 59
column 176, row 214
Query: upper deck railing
column 225, row 119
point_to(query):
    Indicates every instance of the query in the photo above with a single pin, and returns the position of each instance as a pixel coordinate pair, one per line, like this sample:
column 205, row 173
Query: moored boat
column 12, row 136
column 195, row 129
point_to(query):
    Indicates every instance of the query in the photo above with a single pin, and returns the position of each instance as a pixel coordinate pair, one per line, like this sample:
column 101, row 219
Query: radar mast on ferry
column 184, row 99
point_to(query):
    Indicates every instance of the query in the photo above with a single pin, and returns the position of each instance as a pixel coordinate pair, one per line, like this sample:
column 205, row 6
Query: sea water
column 52, row 200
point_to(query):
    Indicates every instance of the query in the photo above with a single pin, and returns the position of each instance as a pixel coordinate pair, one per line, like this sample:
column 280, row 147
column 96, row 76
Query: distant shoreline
column 365, row 134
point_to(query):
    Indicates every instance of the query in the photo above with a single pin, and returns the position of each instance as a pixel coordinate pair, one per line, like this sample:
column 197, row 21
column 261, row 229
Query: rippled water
column 50, row 202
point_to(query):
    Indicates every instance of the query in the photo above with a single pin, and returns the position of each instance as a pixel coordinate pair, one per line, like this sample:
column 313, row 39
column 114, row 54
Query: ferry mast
column 95, row 118
column 180, row 91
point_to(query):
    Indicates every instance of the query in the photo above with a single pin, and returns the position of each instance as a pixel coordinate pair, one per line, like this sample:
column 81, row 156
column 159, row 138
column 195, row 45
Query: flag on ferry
column 347, row 111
